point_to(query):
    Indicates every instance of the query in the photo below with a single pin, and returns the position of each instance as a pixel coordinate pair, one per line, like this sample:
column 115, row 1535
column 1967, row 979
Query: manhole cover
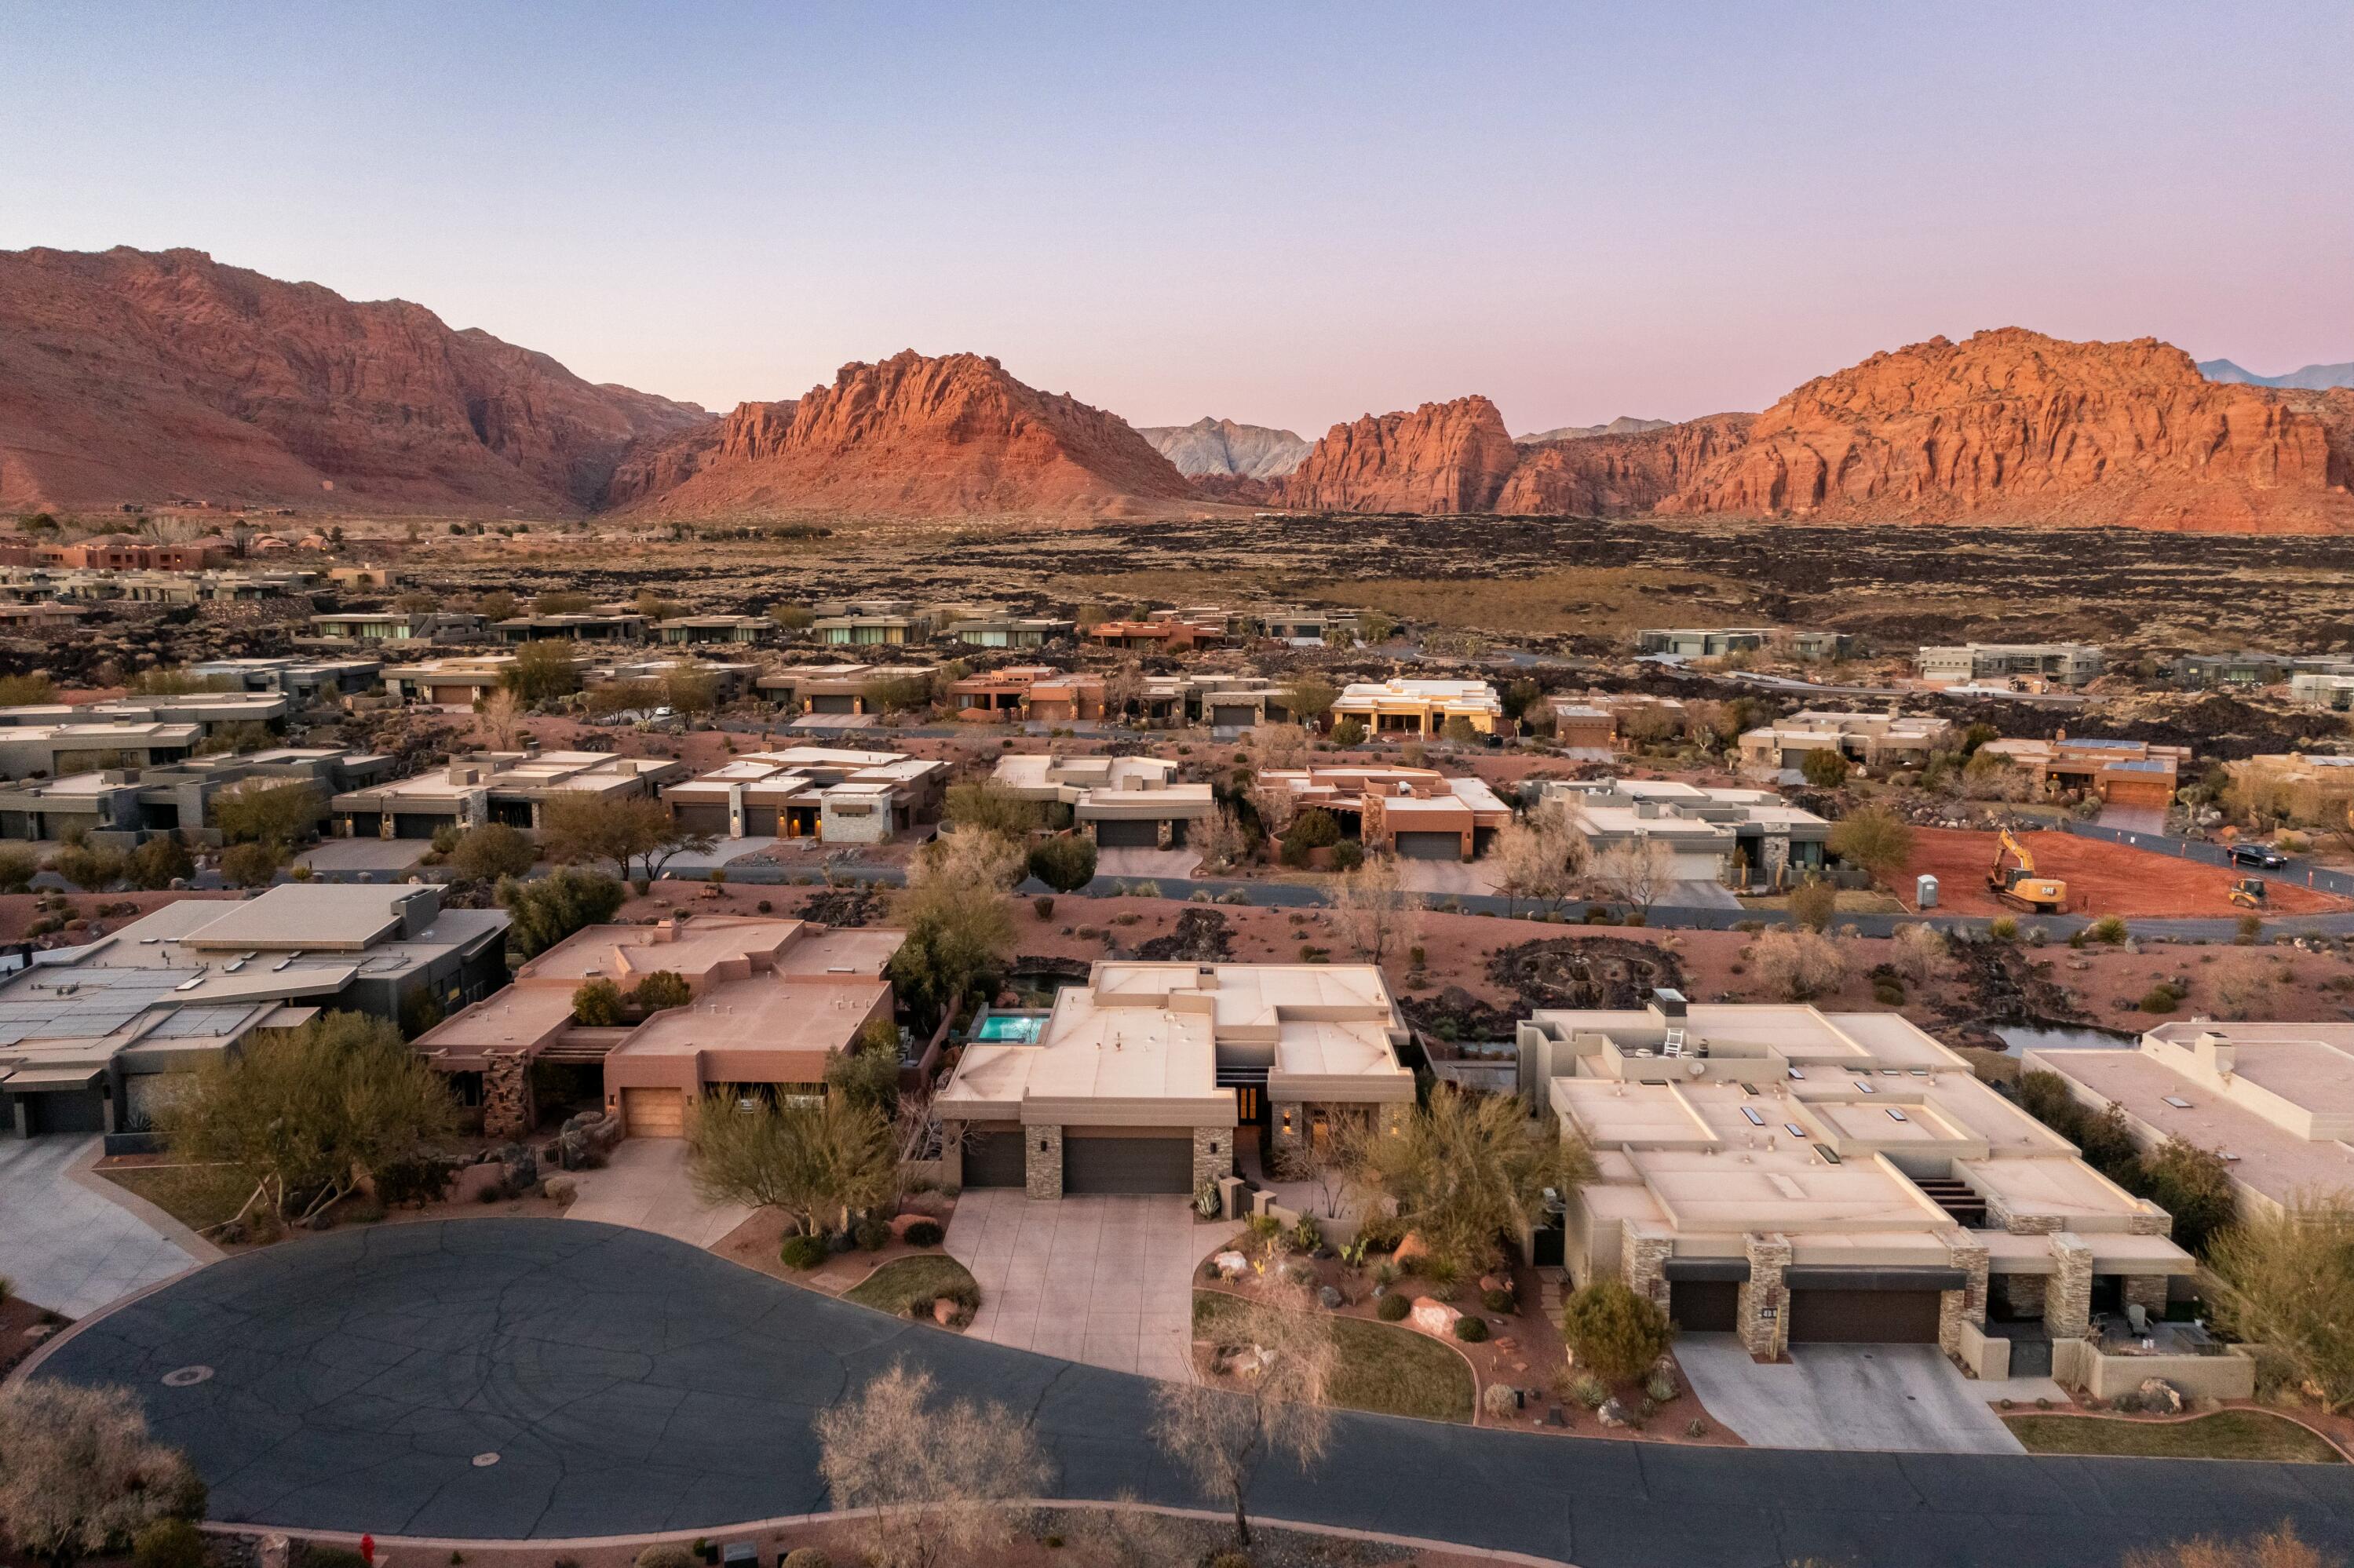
column 482, row 1459
column 187, row 1377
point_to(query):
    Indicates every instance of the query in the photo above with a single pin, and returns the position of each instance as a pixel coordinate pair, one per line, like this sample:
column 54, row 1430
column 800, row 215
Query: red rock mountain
column 1442, row 458
column 2008, row 427
column 915, row 437
column 133, row 376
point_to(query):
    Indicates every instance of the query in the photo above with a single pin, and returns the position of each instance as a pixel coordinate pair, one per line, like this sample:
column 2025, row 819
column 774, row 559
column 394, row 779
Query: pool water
column 2020, row 1037
column 1004, row 1027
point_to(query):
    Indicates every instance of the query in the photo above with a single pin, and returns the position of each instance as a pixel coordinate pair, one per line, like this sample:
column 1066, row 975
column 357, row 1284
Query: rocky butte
column 144, row 376
column 912, row 436
column 1442, row 458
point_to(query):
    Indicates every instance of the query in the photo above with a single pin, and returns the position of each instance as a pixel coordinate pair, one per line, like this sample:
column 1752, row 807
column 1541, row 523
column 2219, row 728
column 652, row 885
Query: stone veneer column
column 2146, row 1291
column 1042, row 1161
column 508, row 1111
column 1764, row 1301
column 2068, row 1298
column 952, row 1154
column 1968, row 1253
column 1214, row 1154
column 1643, row 1262
column 1285, row 1136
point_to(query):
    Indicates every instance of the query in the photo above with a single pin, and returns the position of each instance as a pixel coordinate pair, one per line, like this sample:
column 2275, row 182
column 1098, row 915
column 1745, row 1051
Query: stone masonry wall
column 1042, row 1168
column 1214, row 1154
column 2146, row 1291
column 508, row 1108
column 1955, row 1308
column 2068, row 1298
column 1643, row 1260
column 1764, row 1301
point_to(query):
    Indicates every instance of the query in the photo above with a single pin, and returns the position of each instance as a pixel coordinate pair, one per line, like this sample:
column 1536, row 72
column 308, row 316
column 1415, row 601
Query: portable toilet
column 1924, row 892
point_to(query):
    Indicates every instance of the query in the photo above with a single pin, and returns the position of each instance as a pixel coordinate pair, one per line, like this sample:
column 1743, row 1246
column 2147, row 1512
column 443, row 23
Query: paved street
column 1104, row 1281
column 503, row 1378
column 68, row 1246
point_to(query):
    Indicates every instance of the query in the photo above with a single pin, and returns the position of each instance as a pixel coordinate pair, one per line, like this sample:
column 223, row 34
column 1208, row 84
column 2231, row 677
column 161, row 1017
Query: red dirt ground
column 2102, row 878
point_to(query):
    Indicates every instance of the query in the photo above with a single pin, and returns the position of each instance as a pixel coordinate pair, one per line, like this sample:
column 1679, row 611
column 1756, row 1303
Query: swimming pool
column 1010, row 1027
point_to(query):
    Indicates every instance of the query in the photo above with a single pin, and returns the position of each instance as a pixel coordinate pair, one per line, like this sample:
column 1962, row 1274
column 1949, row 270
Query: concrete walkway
column 1882, row 1398
column 644, row 1186
column 72, row 1241
column 1105, row 1281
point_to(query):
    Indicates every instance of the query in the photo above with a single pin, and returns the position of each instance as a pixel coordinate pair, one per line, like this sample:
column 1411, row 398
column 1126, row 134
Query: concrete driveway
column 643, row 1185
column 1889, row 1398
column 1104, row 1281
column 1446, row 877
column 71, row 1245
column 1157, row 865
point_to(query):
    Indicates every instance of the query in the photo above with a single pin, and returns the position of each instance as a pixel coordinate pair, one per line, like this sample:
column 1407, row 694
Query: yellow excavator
column 2019, row 886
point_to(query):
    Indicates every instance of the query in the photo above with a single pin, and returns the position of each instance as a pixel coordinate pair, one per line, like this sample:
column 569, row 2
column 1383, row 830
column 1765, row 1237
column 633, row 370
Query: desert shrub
column 1612, row 1331
column 1888, row 992
column 18, row 867
column 2251, row 927
column 806, row 1557
column 490, row 851
column 2003, row 928
column 1824, row 769
column 1796, row 965
column 1470, row 1330
column 667, row 1555
column 1500, row 1400
column 1813, row 902
column 2161, row 997
column 1066, row 862
column 1348, row 731
column 1498, row 1301
column 252, row 866
column 872, row 1235
column 1659, row 1387
column 597, row 1004
column 2108, row 928
column 660, row 990
column 1590, row 1391
column 1393, row 1308
column 803, row 1252
column 1347, row 855
column 169, row 1543
column 924, row 1233
column 1314, row 829
column 413, row 1182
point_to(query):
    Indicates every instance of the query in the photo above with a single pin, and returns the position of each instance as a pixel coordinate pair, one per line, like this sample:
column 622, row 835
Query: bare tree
column 1276, row 745
column 1543, row 859
column 1331, row 1164
column 502, row 720
column 1123, row 689
column 1374, row 911
column 1273, row 1406
column 1126, row 1536
column 1796, row 965
column 1277, row 804
column 939, row 1480
column 82, row 1476
column 1220, row 842
column 1635, row 872
column 1923, row 957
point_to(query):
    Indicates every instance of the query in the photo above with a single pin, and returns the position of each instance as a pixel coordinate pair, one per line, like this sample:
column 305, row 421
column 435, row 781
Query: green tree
column 1875, row 838
column 609, row 698
column 1825, row 769
column 258, row 812
column 597, row 1003
column 1612, row 1332
column 562, row 601
column 992, row 807
column 1308, row 698
column 26, row 690
column 252, row 865
column 18, row 867
column 900, row 693
column 542, row 669
column 1460, row 731
column 580, row 828
column 691, row 689
column 2192, row 1185
column 653, row 607
column 160, row 861
column 2286, row 1280
column 497, row 605
column 1466, row 1170
column 299, row 1118
column 791, row 616
column 92, row 870
column 547, row 909
column 1348, row 731
column 959, row 925
column 661, row 990
column 819, row 1160
column 491, row 851
column 1813, row 902
column 868, row 1072
column 82, row 1476
column 1065, row 862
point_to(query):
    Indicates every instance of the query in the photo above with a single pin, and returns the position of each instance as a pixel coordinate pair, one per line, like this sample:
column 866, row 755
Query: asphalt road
column 620, row 1382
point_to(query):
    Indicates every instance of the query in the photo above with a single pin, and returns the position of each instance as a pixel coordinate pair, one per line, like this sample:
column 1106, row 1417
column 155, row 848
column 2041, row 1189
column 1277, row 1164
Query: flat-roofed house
column 811, row 792
column 54, row 750
column 1142, row 1080
column 90, row 1041
column 834, row 691
column 2308, row 787
column 2019, row 666
column 1007, row 631
column 1871, row 740
column 1794, row 1176
column 509, row 786
column 121, row 807
column 1419, row 707
column 1164, row 631
column 771, row 999
column 715, row 628
column 396, row 626
column 1740, row 838
column 2275, row 1100
column 448, row 683
column 209, row 712
column 303, row 680
column 587, row 628
column 1417, row 812
column 2121, row 773
column 871, row 623
column 1121, row 803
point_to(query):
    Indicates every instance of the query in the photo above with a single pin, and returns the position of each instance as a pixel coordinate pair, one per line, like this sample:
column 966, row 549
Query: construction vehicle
column 2018, row 885
column 2248, row 892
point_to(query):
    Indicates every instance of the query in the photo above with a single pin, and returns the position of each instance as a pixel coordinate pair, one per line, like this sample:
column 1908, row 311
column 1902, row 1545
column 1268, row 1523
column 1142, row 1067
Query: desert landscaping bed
column 2223, row 1435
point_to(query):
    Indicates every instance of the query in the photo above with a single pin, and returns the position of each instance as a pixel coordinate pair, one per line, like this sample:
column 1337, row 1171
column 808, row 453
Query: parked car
column 2264, row 855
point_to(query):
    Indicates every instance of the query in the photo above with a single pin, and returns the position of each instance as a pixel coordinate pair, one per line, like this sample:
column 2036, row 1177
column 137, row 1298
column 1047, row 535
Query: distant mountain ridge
column 1223, row 448
column 1624, row 425
column 2311, row 378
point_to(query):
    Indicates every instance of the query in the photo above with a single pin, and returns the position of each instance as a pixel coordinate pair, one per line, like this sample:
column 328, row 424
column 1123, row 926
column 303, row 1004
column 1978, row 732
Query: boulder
column 562, row 1189
column 944, row 1311
column 1411, row 1249
column 1232, row 1265
column 1614, row 1413
column 1433, row 1317
column 2161, row 1397
column 1328, row 1299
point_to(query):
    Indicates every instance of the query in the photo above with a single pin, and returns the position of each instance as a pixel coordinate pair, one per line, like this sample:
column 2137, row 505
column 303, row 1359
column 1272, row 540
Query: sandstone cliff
column 1222, row 449
column 921, row 436
column 1617, row 476
column 134, row 375
column 1441, row 457
column 2014, row 427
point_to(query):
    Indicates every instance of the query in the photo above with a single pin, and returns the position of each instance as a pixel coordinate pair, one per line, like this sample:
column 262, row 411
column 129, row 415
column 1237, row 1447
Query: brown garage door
column 700, row 816
column 654, row 1113
column 993, row 1160
column 834, row 704
column 1705, row 1306
column 1127, row 1164
column 1863, row 1317
column 1232, row 717
column 1113, row 833
column 1430, row 847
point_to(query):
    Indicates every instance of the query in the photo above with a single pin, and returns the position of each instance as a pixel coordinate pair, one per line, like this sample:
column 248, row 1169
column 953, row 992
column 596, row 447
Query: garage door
column 654, row 1113
column 64, row 1110
column 1430, row 847
column 1705, row 1306
column 993, row 1160
column 1127, row 1164
column 410, row 825
column 700, row 816
column 841, row 703
column 1234, row 718
column 1114, row 833
column 1863, row 1317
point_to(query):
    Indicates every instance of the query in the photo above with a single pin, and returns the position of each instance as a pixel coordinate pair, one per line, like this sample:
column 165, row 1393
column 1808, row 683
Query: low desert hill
column 2313, row 377
column 1624, row 425
column 130, row 376
column 1223, row 449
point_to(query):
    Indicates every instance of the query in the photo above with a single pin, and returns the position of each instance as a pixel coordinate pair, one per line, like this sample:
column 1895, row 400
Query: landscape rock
column 1433, row 1317
column 1614, row 1413
column 1327, row 1297
column 1232, row 1265
column 2161, row 1397
column 944, row 1311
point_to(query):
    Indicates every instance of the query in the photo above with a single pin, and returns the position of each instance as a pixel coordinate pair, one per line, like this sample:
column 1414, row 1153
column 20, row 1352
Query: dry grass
column 2226, row 1435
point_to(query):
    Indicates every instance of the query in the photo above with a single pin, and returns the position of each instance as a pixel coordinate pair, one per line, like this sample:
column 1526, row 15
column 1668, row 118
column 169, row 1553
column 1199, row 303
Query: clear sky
column 1284, row 214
